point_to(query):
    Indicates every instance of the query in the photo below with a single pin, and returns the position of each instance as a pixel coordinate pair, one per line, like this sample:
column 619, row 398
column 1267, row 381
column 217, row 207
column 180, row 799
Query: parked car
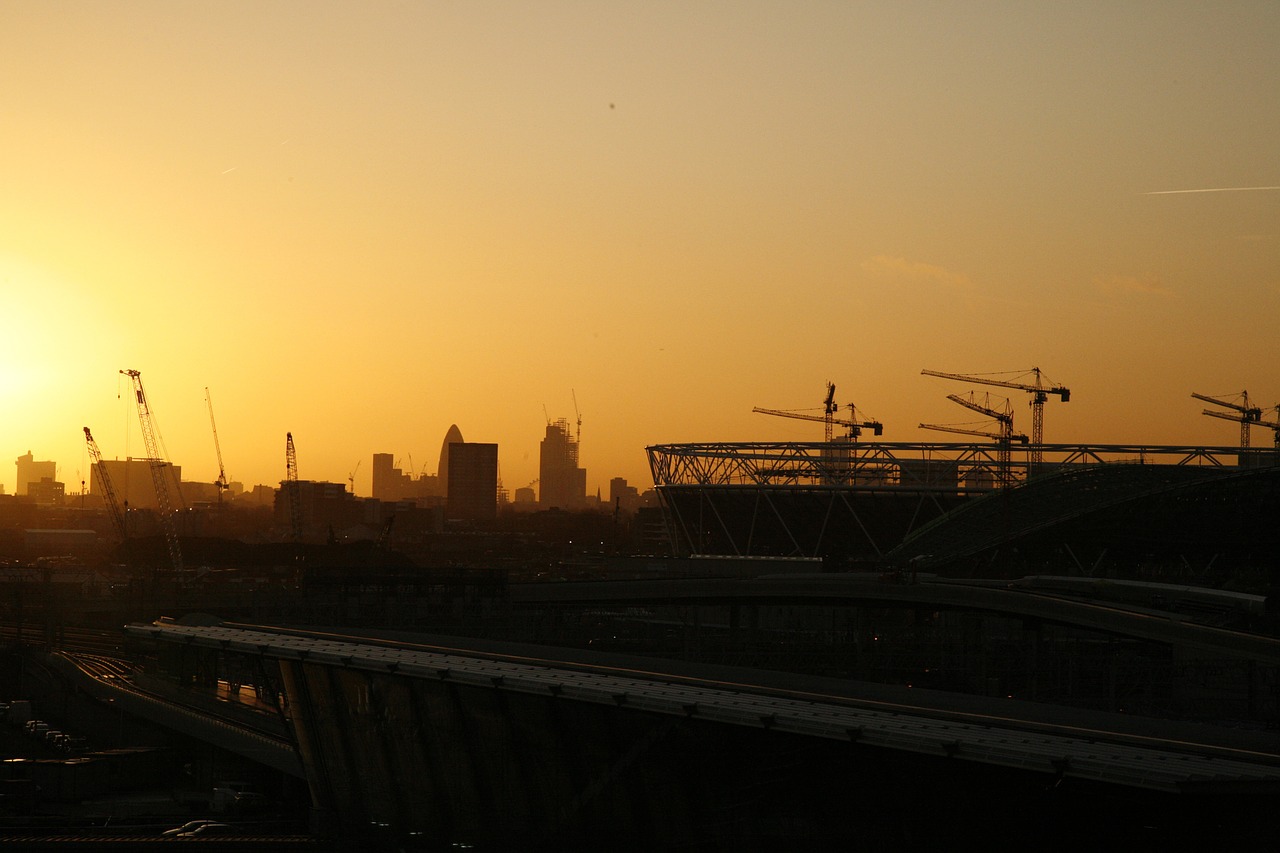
column 206, row 828
column 189, row 826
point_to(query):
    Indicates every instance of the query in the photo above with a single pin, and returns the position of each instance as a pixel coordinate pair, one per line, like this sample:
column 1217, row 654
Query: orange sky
column 362, row 222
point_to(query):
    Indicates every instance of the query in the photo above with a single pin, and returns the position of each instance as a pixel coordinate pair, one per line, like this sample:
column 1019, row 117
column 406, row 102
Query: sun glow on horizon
column 361, row 224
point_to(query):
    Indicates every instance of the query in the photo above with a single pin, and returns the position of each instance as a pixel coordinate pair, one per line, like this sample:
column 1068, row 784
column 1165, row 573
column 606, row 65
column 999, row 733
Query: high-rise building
column 453, row 436
column 132, row 483
column 623, row 498
column 31, row 471
column 561, row 482
column 387, row 479
column 473, row 480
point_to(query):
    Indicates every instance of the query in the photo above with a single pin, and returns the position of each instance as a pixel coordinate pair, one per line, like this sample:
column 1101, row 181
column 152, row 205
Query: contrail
column 1212, row 190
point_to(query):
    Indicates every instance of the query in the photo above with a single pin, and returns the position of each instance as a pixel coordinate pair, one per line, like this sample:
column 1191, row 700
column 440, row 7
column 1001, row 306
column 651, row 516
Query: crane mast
column 1039, row 394
column 292, row 489
column 577, row 414
column 1247, row 414
column 1274, row 426
column 829, row 409
column 158, row 466
column 221, row 482
column 1004, row 438
column 108, row 490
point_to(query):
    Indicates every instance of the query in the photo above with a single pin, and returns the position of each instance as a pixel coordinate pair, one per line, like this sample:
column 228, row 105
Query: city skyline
column 363, row 223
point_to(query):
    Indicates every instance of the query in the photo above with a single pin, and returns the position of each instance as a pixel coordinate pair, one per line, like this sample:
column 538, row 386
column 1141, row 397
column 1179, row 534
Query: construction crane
column 158, row 469
column 578, row 438
column 221, row 483
column 1039, row 393
column 108, row 490
column 1274, row 426
column 1246, row 414
column 828, row 417
column 855, row 427
column 351, row 478
column 1004, row 438
column 292, row 490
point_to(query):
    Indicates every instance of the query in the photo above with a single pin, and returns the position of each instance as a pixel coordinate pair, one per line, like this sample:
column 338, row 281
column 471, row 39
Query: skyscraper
column 453, row 436
column 473, row 480
column 561, row 482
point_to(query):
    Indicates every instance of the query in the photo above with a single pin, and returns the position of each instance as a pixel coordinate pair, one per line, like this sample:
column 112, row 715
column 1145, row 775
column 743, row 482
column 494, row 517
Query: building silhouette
column 473, row 480
column 391, row 484
column 623, row 498
column 453, row 436
column 323, row 508
column 47, row 492
column 131, row 481
column 562, row 484
column 31, row 471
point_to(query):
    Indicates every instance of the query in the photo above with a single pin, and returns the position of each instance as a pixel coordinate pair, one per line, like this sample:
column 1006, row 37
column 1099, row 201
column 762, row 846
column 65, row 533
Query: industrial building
column 132, row 482
column 32, row 471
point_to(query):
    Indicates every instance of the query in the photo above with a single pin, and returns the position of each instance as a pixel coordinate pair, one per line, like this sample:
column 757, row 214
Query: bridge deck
column 1149, row 762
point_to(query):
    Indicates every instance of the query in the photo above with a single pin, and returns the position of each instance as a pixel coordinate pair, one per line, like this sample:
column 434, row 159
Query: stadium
column 1167, row 513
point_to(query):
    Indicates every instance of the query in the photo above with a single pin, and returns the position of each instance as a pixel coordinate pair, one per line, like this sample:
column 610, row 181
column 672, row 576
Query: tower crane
column 1038, row 390
column 578, row 414
column 292, row 489
column 1274, row 426
column 1246, row 414
column 221, row 482
column 856, row 427
column 1004, row 438
column 829, row 409
column 351, row 478
column 158, row 466
column 108, row 490
column 828, row 417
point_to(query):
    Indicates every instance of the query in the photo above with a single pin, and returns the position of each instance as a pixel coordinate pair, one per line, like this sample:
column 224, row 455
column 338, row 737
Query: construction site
column 1009, row 506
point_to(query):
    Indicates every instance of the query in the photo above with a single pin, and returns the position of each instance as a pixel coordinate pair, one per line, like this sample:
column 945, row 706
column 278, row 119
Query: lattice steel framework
column 159, row 469
column 873, row 465
column 859, row 500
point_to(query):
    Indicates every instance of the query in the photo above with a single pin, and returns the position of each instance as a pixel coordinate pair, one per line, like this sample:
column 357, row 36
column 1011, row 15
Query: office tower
column 473, row 480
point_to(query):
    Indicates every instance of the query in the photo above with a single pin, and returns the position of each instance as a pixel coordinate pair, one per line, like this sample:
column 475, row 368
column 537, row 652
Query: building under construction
column 967, row 509
column 562, row 483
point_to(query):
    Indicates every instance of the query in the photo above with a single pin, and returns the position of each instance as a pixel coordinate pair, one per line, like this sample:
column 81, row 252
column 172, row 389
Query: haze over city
column 361, row 223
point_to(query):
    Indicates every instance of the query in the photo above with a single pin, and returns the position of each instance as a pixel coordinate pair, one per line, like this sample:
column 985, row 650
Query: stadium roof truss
column 814, row 498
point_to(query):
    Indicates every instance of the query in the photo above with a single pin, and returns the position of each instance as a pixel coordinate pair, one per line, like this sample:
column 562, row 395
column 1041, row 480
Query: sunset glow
column 364, row 222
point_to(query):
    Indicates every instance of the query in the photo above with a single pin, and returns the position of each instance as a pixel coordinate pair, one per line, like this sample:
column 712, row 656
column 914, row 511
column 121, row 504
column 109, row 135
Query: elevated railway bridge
column 472, row 742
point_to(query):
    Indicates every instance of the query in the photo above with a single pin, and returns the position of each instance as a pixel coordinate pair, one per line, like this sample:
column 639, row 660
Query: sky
column 363, row 222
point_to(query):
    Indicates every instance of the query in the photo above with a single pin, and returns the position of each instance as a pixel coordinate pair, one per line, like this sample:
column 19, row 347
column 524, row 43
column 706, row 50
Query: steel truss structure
column 860, row 500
